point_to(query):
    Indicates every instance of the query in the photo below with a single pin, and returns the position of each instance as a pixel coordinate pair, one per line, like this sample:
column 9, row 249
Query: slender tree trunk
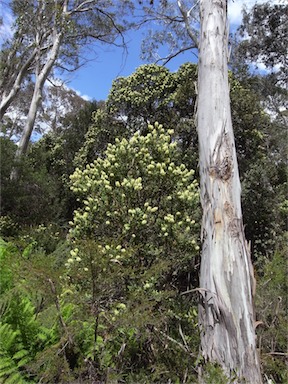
column 41, row 77
column 31, row 117
column 226, row 311
column 7, row 99
column 28, row 128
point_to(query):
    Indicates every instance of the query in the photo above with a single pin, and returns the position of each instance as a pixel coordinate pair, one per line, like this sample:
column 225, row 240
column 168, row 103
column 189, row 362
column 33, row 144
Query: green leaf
column 18, row 355
column 15, row 378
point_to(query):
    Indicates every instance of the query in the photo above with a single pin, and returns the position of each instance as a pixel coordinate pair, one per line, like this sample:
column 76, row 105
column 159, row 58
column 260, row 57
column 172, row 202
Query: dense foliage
column 100, row 236
column 114, row 307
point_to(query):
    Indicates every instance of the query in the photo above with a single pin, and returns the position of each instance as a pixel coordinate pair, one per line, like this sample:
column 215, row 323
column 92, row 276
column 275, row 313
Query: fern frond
column 23, row 356
column 21, row 363
column 28, row 307
column 9, row 297
column 9, row 369
column 5, row 364
column 15, row 378
column 11, row 363
column 45, row 334
column 20, row 354
column 7, row 337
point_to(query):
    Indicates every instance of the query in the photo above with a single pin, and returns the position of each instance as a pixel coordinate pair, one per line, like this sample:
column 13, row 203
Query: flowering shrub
column 134, row 239
column 138, row 193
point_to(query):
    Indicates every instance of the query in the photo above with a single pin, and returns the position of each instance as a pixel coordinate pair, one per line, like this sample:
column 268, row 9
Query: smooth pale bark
column 40, row 78
column 54, row 21
column 37, row 95
column 8, row 98
column 226, row 311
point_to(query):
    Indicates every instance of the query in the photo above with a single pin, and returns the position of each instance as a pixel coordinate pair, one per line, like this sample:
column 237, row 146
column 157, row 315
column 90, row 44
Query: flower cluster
column 138, row 194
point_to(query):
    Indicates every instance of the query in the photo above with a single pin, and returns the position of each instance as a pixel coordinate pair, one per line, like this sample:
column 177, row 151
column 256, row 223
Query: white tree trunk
column 40, row 78
column 226, row 312
column 7, row 99
column 38, row 88
column 31, row 117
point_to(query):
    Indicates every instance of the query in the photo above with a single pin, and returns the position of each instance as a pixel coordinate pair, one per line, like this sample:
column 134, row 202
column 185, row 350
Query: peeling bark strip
column 226, row 311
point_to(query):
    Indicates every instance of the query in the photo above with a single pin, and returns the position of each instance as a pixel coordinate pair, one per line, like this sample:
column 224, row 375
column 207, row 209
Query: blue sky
column 94, row 80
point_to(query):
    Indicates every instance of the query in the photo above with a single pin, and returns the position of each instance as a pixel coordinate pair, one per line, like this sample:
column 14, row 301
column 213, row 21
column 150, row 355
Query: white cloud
column 61, row 83
column 235, row 8
column 85, row 97
column 260, row 66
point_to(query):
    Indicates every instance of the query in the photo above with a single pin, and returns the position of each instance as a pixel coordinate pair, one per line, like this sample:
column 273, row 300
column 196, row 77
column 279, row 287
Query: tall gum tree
column 226, row 310
column 227, row 284
column 55, row 32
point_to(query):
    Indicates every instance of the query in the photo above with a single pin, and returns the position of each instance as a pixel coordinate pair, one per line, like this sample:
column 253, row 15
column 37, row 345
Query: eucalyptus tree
column 226, row 276
column 227, row 284
column 262, row 46
column 180, row 33
column 263, row 35
column 52, row 34
column 153, row 93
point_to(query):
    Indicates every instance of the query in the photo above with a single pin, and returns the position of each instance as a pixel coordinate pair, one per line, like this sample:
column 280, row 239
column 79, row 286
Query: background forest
column 100, row 230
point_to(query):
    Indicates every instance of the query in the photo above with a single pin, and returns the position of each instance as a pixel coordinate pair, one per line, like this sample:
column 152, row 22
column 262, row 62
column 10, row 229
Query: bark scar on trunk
column 222, row 159
column 235, row 223
column 222, row 170
column 235, row 227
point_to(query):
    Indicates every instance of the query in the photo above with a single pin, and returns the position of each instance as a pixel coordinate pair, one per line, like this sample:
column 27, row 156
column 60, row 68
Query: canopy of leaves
column 153, row 93
column 174, row 25
column 81, row 23
column 266, row 28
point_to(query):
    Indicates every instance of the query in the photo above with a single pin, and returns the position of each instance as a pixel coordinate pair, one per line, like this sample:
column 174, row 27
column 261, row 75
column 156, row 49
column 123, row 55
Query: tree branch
column 6, row 101
column 181, row 346
column 166, row 59
column 80, row 8
column 186, row 16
